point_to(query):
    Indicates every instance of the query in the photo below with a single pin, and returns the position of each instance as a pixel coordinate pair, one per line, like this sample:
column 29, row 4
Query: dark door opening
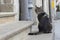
column 19, row 10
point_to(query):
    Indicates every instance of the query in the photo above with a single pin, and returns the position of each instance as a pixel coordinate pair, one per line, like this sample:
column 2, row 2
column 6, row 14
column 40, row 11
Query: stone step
column 14, row 29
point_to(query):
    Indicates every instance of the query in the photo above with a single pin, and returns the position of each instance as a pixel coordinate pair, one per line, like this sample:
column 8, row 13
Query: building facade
column 16, row 10
column 13, row 10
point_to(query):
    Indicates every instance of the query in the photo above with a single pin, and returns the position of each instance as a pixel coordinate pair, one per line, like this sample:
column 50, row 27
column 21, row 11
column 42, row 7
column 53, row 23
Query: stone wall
column 6, row 19
column 6, row 7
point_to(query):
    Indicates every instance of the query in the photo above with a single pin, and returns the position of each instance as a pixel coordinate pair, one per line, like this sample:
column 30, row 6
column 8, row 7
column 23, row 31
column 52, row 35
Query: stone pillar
column 39, row 3
column 46, row 6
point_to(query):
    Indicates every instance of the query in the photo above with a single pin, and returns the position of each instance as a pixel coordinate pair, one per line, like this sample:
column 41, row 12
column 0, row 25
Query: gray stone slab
column 10, row 29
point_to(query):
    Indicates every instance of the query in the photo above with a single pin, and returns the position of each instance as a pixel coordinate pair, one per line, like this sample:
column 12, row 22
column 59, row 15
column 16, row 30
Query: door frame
column 16, row 9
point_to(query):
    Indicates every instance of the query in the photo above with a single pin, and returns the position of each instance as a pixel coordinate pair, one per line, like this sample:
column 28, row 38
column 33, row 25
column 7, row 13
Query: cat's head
column 38, row 9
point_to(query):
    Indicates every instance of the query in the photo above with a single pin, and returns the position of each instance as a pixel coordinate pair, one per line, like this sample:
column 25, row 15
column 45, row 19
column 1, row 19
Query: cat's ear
column 36, row 6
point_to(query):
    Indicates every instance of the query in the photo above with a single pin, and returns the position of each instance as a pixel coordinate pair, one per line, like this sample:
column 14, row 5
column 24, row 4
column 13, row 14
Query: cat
column 44, row 24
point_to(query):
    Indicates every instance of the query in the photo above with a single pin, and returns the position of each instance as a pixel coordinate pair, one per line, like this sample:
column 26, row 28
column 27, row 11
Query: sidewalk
column 40, row 36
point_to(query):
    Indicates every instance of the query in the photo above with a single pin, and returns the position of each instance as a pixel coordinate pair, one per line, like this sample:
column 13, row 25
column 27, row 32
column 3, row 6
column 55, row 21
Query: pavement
column 40, row 36
column 57, row 29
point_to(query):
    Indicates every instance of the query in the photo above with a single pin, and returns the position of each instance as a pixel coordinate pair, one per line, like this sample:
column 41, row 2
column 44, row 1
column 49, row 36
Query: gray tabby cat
column 44, row 23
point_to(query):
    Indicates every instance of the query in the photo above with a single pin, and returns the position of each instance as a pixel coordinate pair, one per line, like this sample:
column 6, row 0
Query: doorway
column 25, row 10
